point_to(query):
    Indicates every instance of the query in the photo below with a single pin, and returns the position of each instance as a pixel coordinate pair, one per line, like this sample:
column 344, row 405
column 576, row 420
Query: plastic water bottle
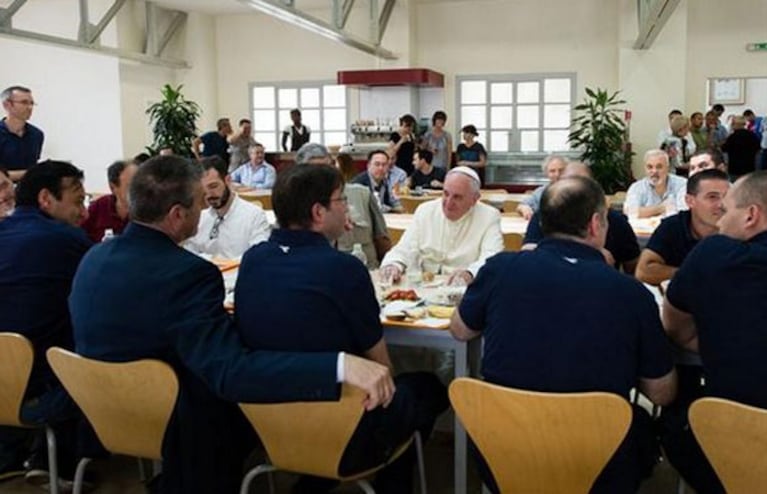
column 108, row 235
column 359, row 253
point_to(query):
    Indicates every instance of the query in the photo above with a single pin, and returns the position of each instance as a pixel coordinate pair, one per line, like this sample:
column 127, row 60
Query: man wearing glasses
column 230, row 225
column 20, row 142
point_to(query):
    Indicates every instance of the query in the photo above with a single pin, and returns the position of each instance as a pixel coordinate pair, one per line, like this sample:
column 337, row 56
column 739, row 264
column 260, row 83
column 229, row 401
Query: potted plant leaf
column 173, row 122
column 599, row 131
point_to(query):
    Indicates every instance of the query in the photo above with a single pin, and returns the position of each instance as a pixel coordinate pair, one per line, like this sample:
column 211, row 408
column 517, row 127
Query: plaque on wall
column 726, row 91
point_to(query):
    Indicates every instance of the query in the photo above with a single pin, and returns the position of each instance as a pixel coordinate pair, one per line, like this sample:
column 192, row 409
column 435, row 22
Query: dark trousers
column 679, row 443
column 420, row 398
column 632, row 462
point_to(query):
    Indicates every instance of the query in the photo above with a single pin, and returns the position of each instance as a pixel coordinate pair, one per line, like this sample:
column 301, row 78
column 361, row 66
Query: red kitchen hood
column 391, row 77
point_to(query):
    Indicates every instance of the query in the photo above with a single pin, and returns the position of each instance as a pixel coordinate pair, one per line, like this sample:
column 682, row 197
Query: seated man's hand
column 525, row 211
column 460, row 278
column 391, row 272
column 609, row 259
column 373, row 378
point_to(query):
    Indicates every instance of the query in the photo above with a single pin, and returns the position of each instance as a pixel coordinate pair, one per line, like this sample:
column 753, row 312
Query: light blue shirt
column 642, row 194
column 397, row 177
column 534, row 200
column 260, row 176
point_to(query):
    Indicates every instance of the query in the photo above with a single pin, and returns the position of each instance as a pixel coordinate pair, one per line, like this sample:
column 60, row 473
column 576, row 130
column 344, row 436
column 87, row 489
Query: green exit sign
column 756, row 46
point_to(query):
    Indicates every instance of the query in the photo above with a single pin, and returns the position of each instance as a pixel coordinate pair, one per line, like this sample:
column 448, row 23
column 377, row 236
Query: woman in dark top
column 402, row 143
column 472, row 153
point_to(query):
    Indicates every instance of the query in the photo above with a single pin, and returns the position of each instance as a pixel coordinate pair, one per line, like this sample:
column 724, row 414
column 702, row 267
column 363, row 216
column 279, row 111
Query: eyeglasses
column 342, row 198
column 23, row 102
column 216, row 227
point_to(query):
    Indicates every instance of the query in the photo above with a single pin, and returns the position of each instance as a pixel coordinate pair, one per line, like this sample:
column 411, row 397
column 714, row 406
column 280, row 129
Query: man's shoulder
column 484, row 211
column 361, row 178
column 33, row 131
column 677, row 182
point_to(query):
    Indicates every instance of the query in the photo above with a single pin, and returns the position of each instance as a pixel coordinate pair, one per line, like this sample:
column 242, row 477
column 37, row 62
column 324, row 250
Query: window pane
column 500, row 93
column 474, row 115
column 285, row 120
column 528, row 141
column 334, row 119
column 288, row 98
column 263, row 97
column 527, row 117
column 473, row 92
column 499, row 141
column 528, row 92
column 556, row 90
column 264, row 120
column 500, row 117
column 334, row 96
column 481, row 137
column 334, row 138
column 556, row 116
column 311, row 118
column 268, row 139
column 310, row 98
column 555, row 140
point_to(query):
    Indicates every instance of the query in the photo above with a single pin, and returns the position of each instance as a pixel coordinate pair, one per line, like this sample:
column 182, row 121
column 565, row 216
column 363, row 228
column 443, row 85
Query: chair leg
column 53, row 465
column 421, row 465
column 142, row 470
column 366, row 487
column 681, row 486
column 270, row 477
column 252, row 474
column 79, row 474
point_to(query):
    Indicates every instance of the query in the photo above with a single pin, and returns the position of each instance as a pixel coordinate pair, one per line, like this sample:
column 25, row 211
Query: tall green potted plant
column 599, row 130
column 173, row 122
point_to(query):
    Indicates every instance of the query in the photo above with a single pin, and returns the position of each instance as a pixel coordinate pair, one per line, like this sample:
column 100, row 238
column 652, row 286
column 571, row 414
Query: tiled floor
column 120, row 476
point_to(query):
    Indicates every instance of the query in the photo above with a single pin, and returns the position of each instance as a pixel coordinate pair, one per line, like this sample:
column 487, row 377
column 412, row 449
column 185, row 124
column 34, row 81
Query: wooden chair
column 541, row 442
column 410, row 204
column 510, row 207
column 395, row 234
column 16, row 358
column 310, row 438
column 129, row 404
column 734, row 438
column 512, row 242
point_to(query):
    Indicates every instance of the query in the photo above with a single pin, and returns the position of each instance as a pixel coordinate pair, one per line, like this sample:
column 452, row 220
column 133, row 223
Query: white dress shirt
column 452, row 245
column 245, row 224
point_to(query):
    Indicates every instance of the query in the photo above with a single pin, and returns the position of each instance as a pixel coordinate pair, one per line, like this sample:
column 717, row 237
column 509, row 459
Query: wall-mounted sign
column 757, row 46
column 726, row 91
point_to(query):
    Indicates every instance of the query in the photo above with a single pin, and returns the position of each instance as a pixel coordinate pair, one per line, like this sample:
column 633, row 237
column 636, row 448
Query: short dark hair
column 48, row 175
column 470, row 129
column 716, row 156
column 568, row 205
column 221, row 122
column 718, row 107
column 438, row 115
column 115, row 170
column 749, row 113
column 243, row 121
column 215, row 163
column 8, row 92
column 141, row 157
column 425, row 155
column 299, row 188
column 695, row 113
column 407, row 119
column 295, row 111
column 693, row 183
column 159, row 184
column 674, row 112
column 375, row 152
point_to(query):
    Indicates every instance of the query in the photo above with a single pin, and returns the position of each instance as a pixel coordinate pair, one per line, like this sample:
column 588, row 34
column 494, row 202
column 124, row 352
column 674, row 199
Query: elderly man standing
column 452, row 235
column 552, row 166
column 110, row 212
column 140, row 295
column 20, row 141
column 256, row 173
column 375, row 178
column 608, row 337
column 231, row 225
column 659, row 193
column 715, row 306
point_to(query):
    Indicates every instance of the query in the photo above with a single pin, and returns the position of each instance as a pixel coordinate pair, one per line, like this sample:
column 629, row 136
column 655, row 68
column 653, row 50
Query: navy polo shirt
column 559, row 319
column 214, row 144
column 38, row 260
column 723, row 284
column 296, row 292
column 673, row 239
column 19, row 153
column 621, row 240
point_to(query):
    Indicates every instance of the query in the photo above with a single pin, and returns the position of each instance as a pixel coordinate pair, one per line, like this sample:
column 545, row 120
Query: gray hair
column 254, row 146
column 655, row 152
column 159, row 184
column 553, row 157
column 8, row 92
column 311, row 151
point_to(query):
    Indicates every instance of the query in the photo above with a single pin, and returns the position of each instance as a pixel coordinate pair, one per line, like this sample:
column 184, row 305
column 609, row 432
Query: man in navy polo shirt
column 715, row 303
column 605, row 334
column 621, row 246
column 20, row 142
column 214, row 142
column 41, row 248
column 296, row 292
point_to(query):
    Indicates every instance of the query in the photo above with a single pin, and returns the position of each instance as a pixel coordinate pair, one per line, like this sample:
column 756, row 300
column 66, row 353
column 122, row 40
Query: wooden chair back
column 307, row 437
column 512, row 242
column 410, row 204
column 16, row 357
column 395, row 234
column 129, row 404
column 541, row 442
column 734, row 438
column 510, row 206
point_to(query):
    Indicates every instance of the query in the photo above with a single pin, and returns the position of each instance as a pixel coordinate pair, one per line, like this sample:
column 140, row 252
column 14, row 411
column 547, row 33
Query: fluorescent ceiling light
column 316, row 26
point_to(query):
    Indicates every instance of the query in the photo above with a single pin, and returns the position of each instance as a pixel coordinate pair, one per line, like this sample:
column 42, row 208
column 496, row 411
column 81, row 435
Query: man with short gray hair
column 20, row 141
column 553, row 167
column 256, row 173
column 659, row 193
